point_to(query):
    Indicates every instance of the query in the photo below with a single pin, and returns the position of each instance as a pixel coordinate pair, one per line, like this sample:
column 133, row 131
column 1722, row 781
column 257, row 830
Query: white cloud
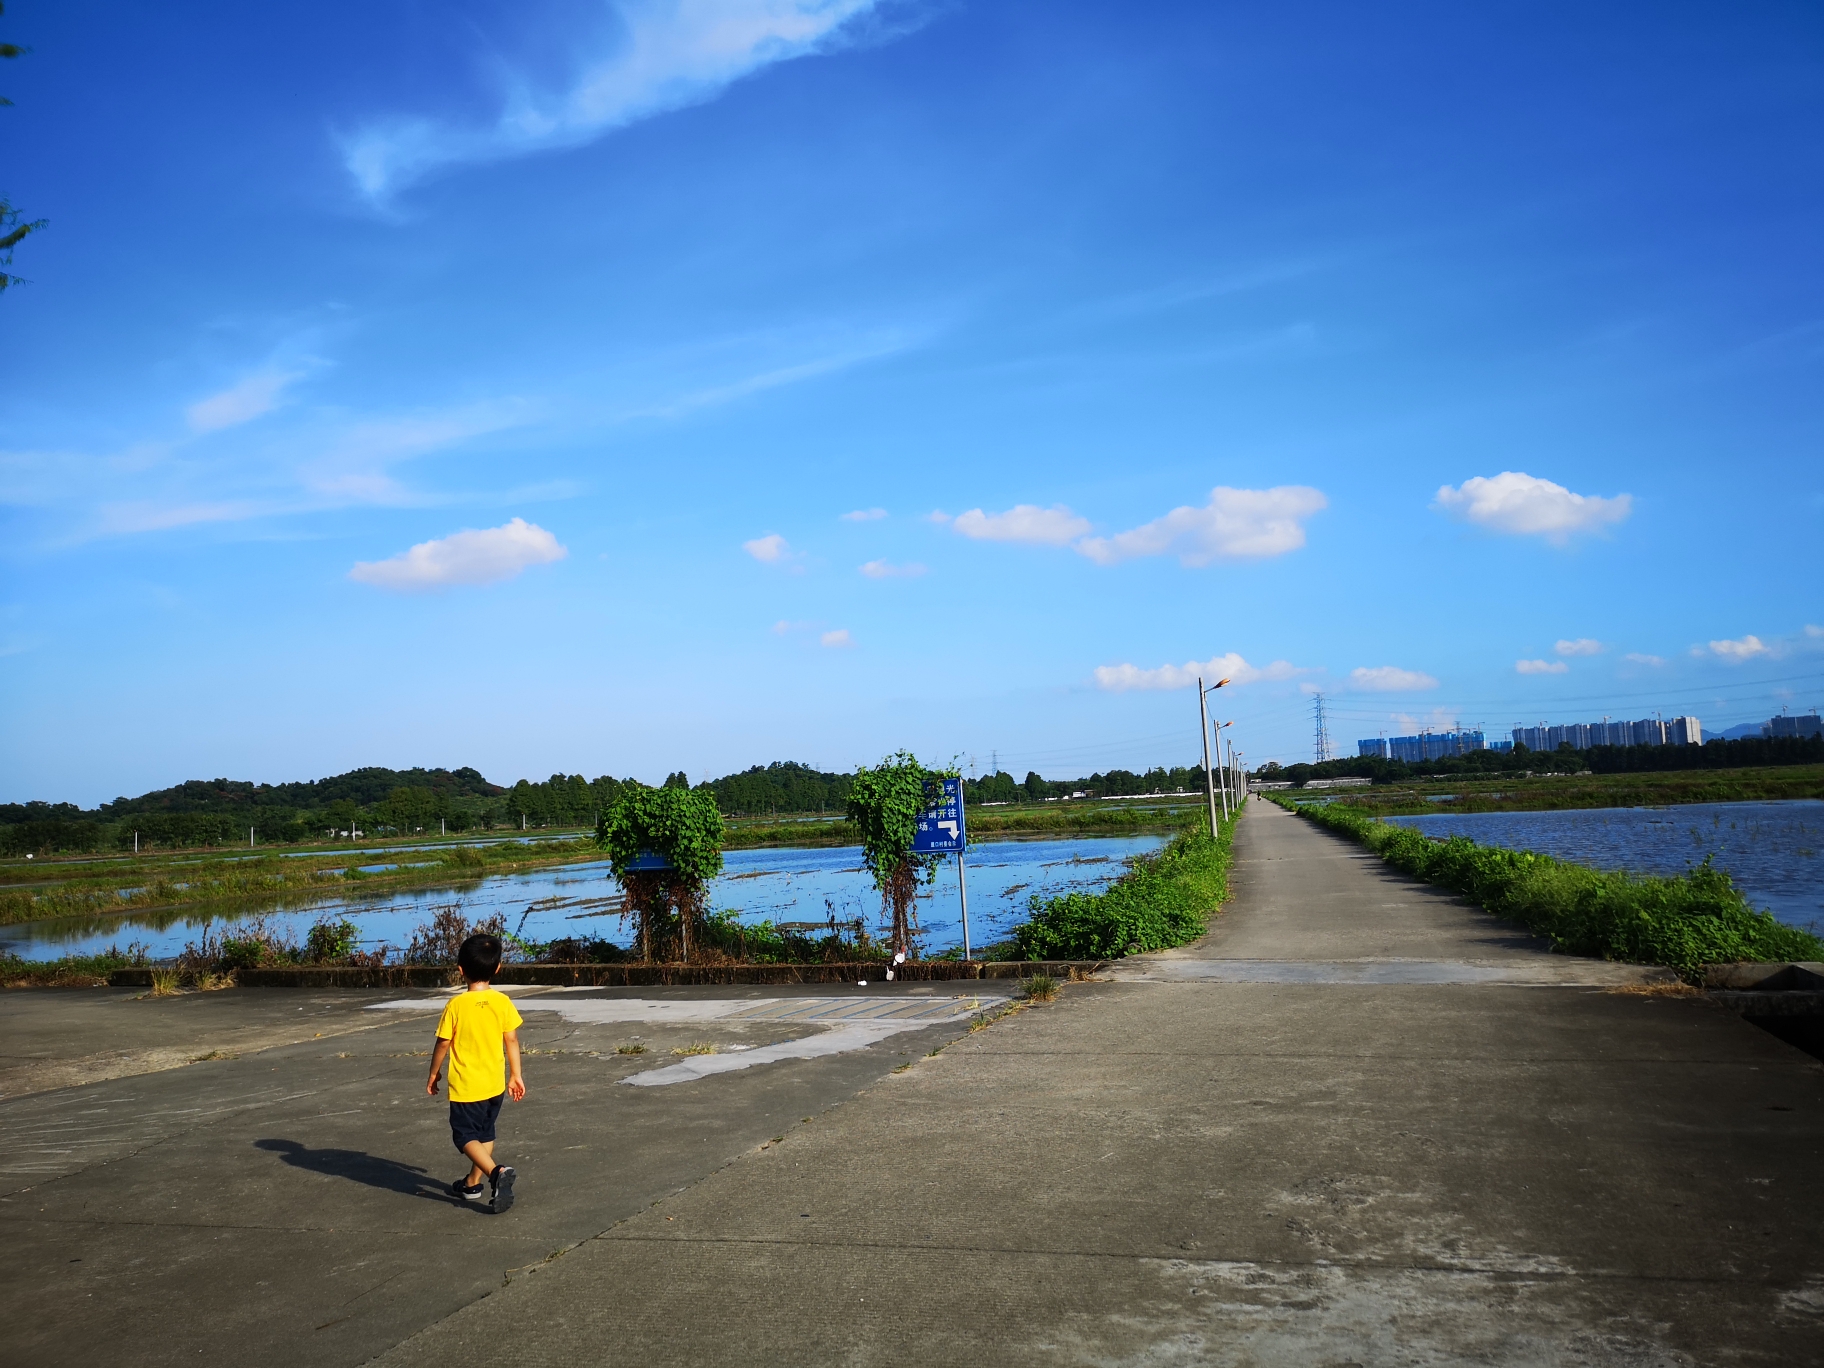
column 837, row 639
column 1389, row 679
column 1121, row 678
column 1744, row 649
column 1637, row 658
column 865, row 515
column 880, row 569
column 1028, row 523
column 1540, row 667
column 241, row 403
column 1527, row 506
column 467, row 557
column 1236, row 523
column 666, row 54
column 1813, row 632
column 768, row 550
column 1583, row 646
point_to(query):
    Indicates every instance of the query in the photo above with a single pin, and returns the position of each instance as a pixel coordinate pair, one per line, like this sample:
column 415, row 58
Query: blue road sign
column 940, row 825
column 646, row 862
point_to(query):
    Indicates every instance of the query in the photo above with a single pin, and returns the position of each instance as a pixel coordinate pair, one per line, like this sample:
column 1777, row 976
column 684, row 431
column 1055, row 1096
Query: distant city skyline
column 629, row 388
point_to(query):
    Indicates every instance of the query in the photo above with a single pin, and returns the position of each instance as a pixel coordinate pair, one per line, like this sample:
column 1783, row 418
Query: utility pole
column 1322, row 740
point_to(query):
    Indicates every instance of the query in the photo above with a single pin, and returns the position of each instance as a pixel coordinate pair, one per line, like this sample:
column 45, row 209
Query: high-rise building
column 1427, row 745
column 1649, row 731
column 1805, row 724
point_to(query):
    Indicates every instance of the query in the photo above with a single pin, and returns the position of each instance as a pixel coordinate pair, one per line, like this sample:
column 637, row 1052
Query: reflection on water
column 581, row 900
column 1771, row 850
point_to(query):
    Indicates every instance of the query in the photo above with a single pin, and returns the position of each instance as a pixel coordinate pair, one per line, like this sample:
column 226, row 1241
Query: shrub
column 436, row 942
column 331, row 942
column 1163, row 900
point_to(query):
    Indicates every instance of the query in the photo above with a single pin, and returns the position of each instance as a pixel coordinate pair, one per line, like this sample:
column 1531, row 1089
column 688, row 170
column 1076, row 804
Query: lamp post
column 1203, row 726
column 1223, row 770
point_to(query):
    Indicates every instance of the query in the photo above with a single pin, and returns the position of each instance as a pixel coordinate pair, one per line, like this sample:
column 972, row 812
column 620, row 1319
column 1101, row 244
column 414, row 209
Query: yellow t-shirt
column 474, row 1023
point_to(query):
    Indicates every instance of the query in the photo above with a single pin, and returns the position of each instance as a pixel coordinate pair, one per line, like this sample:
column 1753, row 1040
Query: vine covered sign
column 885, row 804
column 664, row 845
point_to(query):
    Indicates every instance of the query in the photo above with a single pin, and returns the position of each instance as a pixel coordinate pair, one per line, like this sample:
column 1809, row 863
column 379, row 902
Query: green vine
column 884, row 803
column 684, row 827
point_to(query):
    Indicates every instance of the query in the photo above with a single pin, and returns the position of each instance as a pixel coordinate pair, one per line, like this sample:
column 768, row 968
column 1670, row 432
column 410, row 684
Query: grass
column 1040, row 988
column 1164, row 899
column 96, row 889
column 630, row 1049
column 72, row 971
column 700, row 1047
column 1083, row 817
column 1683, row 923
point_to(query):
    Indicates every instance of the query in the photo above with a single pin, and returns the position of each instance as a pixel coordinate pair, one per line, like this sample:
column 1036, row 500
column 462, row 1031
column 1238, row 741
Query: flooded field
column 804, row 886
column 1773, row 851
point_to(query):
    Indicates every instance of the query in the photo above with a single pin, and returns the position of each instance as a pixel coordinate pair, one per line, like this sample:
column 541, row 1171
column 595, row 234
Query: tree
column 884, row 803
column 683, row 828
column 13, row 225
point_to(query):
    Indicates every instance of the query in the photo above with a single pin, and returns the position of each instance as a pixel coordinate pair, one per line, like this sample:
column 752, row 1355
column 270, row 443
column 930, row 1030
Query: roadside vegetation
column 1683, row 923
column 1164, row 900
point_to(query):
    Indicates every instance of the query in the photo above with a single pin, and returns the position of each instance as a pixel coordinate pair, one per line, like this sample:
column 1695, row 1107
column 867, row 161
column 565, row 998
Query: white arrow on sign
column 949, row 827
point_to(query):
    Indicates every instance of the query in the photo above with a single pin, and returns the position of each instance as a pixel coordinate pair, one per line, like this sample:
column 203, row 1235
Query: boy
column 476, row 1026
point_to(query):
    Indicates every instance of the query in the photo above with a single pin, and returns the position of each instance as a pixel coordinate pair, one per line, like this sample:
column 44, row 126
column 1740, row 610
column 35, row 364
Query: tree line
column 379, row 802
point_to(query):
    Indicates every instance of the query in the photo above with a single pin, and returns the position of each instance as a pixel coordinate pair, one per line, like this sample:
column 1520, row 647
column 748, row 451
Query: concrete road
column 1528, row 1167
column 280, row 1197
column 1357, row 1124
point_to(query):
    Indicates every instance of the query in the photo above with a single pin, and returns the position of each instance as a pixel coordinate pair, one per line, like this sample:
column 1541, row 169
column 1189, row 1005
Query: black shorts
column 474, row 1120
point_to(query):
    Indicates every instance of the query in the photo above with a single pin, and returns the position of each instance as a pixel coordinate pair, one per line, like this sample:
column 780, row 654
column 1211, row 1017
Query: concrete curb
column 640, row 975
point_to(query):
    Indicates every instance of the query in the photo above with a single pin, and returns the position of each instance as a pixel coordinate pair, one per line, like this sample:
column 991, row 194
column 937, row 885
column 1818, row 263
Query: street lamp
column 1203, row 726
column 1227, row 778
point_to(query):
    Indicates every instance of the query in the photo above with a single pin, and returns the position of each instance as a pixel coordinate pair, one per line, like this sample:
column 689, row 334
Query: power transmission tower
column 1323, row 729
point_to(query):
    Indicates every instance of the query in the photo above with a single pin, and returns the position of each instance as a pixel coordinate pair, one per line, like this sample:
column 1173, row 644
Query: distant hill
column 1737, row 733
column 362, row 786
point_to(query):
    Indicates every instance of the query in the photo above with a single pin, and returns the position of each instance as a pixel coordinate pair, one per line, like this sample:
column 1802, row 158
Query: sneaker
column 473, row 1194
column 501, row 1181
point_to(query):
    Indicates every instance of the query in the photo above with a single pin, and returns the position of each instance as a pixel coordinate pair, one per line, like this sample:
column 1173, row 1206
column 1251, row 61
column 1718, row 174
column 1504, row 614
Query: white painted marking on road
column 848, row 1023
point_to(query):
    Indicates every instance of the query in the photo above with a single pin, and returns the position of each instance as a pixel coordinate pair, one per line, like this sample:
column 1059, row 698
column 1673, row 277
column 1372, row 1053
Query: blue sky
column 624, row 387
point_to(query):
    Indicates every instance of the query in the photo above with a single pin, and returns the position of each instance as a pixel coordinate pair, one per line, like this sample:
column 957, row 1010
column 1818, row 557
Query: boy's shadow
column 360, row 1167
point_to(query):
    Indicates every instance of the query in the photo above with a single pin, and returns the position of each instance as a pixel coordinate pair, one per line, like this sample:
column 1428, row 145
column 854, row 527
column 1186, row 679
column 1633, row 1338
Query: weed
column 701, row 1047
column 1040, row 988
column 630, row 1049
column 213, row 1054
column 166, row 982
column 1677, row 988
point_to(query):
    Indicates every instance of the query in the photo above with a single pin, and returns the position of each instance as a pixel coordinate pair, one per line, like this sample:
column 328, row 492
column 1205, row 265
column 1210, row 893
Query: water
column 582, row 900
column 1773, row 851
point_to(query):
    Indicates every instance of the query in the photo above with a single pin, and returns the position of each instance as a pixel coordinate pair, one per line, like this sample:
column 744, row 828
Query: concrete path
column 1358, row 1124
column 265, row 1183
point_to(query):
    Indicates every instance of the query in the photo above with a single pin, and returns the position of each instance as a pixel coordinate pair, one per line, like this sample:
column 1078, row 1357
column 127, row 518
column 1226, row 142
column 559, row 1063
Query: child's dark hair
column 479, row 957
